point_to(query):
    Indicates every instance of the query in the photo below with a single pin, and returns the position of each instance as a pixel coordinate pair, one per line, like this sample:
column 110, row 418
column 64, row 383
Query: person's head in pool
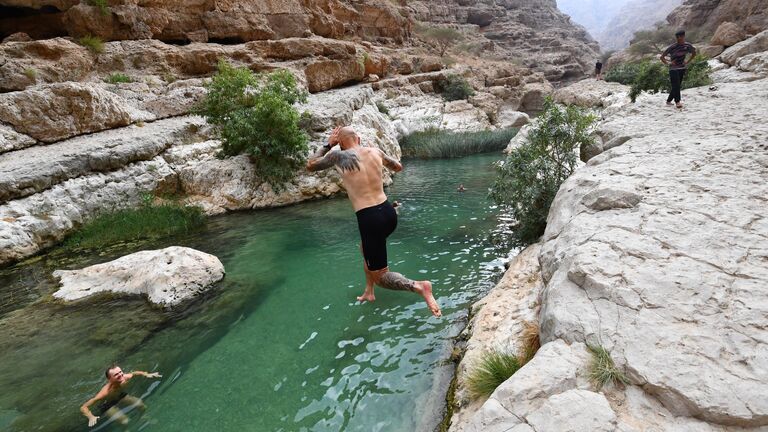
column 115, row 374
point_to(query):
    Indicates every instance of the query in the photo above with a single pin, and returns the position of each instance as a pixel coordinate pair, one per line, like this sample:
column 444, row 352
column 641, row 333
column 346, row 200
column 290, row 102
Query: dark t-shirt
column 598, row 65
column 677, row 53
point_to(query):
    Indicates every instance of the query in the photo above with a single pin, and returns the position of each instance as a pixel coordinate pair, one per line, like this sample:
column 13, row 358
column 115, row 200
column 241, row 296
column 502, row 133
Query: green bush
column 495, row 367
column 382, row 108
column 529, row 178
column 602, row 369
column 255, row 116
column 93, row 43
column 436, row 143
column 653, row 77
column 31, row 74
column 624, row 73
column 146, row 222
column 117, row 77
column 454, row 87
column 101, row 4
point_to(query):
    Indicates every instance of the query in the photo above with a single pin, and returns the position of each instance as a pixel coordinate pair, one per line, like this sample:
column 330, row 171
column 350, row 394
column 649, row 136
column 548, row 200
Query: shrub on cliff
column 454, row 87
column 494, row 368
column 653, row 77
column 442, row 37
column 255, row 116
column 529, row 178
column 437, row 143
column 93, row 43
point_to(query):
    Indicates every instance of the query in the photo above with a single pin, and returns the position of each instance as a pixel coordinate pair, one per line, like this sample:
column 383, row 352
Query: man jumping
column 361, row 171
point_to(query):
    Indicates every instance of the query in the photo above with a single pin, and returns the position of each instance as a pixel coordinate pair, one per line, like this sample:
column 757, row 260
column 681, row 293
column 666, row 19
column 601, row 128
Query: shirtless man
column 361, row 170
column 113, row 396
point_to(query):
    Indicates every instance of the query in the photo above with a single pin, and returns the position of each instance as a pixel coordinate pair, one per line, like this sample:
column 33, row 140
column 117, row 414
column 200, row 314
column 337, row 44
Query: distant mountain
column 635, row 15
column 592, row 14
column 613, row 22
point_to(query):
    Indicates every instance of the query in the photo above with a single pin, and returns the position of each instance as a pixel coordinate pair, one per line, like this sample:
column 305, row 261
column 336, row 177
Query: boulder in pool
column 167, row 276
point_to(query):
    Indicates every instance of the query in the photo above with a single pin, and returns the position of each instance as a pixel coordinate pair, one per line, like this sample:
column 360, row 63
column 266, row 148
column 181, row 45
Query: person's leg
column 677, row 84
column 115, row 414
column 397, row 282
column 672, row 87
column 368, row 294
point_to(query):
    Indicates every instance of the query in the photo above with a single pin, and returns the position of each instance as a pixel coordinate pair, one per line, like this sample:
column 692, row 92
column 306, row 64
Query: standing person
column 113, row 396
column 361, row 171
column 599, row 70
column 678, row 64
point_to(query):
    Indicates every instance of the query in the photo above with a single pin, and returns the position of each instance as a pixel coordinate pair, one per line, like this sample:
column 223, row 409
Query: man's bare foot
column 366, row 297
column 669, row 104
column 425, row 289
column 679, row 105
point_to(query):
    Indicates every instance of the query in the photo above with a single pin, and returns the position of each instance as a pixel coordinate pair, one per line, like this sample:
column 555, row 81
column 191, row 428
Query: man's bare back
column 361, row 170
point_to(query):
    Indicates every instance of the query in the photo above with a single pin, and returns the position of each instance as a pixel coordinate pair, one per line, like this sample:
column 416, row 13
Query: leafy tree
column 529, row 178
column 442, row 37
column 255, row 116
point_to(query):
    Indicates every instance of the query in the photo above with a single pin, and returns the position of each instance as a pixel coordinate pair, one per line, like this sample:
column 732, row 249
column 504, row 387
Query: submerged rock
column 167, row 277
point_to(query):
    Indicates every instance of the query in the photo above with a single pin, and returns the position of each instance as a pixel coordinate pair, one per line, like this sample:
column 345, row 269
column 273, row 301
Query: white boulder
column 167, row 277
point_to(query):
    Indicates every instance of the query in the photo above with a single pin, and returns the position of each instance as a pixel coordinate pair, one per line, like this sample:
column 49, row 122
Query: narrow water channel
column 281, row 345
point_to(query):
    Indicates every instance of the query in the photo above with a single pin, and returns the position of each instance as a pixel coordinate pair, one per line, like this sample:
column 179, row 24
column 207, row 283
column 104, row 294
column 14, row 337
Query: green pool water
column 281, row 345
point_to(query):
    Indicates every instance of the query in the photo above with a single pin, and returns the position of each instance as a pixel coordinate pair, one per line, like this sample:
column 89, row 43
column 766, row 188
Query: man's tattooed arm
column 346, row 160
column 391, row 162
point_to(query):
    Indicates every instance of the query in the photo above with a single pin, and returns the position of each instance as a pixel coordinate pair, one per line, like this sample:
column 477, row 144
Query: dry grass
column 529, row 341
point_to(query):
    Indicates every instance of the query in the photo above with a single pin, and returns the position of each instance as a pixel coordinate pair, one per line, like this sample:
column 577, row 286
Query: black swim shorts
column 376, row 223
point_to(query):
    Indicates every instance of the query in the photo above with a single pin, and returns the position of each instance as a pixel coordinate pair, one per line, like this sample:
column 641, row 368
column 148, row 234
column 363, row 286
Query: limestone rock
column 167, row 276
column 508, row 117
column 574, row 411
column 707, row 15
column 534, row 95
column 756, row 63
column 755, row 44
column 590, row 93
column 57, row 111
column 30, row 224
column 733, row 75
column 498, row 319
column 17, row 37
column 676, row 274
column 52, row 60
column 12, row 140
column 728, row 34
column 710, row 51
column 41, row 167
column 241, row 21
column 327, row 74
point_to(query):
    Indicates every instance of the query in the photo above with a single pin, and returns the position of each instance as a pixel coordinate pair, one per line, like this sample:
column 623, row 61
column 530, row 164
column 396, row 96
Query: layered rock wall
column 184, row 21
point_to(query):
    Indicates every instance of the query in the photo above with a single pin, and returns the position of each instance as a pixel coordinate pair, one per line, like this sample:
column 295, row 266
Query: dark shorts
column 109, row 403
column 376, row 224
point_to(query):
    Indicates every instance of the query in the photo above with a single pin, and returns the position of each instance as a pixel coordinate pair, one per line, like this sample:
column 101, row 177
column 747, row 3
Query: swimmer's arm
column 87, row 412
column 391, row 162
column 145, row 374
column 347, row 161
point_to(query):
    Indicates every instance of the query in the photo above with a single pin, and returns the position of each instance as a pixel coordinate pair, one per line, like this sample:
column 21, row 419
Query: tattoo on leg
column 396, row 281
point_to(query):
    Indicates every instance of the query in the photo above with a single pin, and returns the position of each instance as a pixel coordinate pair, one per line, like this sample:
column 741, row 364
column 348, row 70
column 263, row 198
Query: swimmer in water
column 113, row 396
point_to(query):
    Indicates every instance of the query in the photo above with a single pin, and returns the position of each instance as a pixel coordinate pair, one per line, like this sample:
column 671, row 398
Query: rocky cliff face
column 183, row 21
column 750, row 15
column 656, row 251
column 532, row 32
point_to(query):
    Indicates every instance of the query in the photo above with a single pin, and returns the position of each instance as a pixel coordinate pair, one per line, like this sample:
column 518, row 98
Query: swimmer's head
column 348, row 137
column 115, row 374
